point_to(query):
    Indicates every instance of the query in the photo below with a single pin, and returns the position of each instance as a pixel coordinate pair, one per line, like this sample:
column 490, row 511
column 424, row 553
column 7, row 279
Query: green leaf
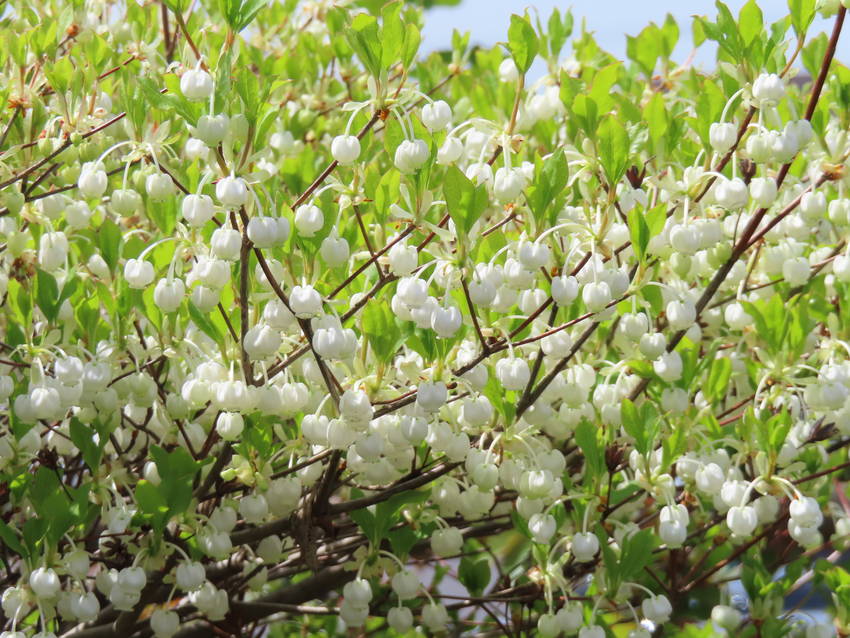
column 60, row 74
column 750, row 22
column 645, row 48
column 632, row 425
column 657, row 121
column 474, row 573
column 240, row 13
column 638, row 232
column 464, row 200
column 109, row 243
column 392, row 33
column 381, row 330
column 171, row 101
column 559, row 29
column 10, row 539
column 16, row 47
column 601, row 89
column 364, row 38
column 46, row 294
column 594, row 456
column 655, row 219
column 718, row 378
column 206, row 325
column 549, row 185
column 586, row 112
column 365, row 518
column 802, row 14
column 34, row 530
column 636, row 554
column 522, row 42
column 152, row 504
column 97, row 52
column 669, row 35
column 177, row 470
column 177, row 6
column 133, row 101
column 377, row 520
column 247, row 86
column 412, row 39
column 84, row 438
column 613, row 146
column 402, row 541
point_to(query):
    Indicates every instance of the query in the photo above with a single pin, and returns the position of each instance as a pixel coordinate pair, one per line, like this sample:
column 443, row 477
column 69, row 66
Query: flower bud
column 195, row 149
column 164, row 623
column 806, row 511
column 308, row 220
column 710, row 478
column 229, row 425
column 400, row 619
column 768, row 89
column 168, row 294
column 225, row 243
column 253, row 508
column 447, row 541
column 742, row 520
column 721, row 136
column 196, row 84
column 92, row 180
column 657, row 609
column 731, row 193
column 596, row 295
column 436, row 115
column 261, row 341
column 435, row 617
column 542, row 527
column 197, row 210
column 584, row 546
column 334, row 250
column 431, row 396
column 44, row 582
column 85, row 606
column 267, row 232
column 231, row 191
column 125, row 201
column 668, row 366
column 305, row 302
column 450, row 151
column 446, row 321
column 358, row 592
column 190, row 576
column 345, row 149
column 726, row 617
column 211, row 129
column 508, row 184
column 763, row 191
column 52, row 250
column 513, row 373
column 681, row 314
column 508, row 71
column 411, row 155
column 159, row 187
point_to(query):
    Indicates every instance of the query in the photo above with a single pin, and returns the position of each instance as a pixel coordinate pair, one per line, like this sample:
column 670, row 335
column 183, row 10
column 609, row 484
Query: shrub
column 305, row 331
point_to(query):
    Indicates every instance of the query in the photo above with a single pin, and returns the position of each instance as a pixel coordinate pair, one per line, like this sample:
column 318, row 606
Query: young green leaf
column 522, row 42
column 613, row 145
column 464, row 200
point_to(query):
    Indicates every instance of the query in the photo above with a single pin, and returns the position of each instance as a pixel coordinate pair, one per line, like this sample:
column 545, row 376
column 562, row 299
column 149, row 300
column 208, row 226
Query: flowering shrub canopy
column 304, row 331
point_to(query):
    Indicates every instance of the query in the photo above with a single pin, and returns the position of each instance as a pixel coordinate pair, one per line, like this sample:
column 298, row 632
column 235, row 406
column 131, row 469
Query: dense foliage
column 304, row 331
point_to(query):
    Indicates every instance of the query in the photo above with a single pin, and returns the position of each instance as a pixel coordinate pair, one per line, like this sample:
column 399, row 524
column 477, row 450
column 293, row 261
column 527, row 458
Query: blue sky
column 611, row 20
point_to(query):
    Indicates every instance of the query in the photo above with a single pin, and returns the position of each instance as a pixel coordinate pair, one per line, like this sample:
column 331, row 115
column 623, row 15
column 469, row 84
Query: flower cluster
column 302, row 327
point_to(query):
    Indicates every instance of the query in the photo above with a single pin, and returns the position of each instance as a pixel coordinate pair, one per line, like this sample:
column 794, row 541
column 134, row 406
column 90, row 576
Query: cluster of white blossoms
column 301, row 328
